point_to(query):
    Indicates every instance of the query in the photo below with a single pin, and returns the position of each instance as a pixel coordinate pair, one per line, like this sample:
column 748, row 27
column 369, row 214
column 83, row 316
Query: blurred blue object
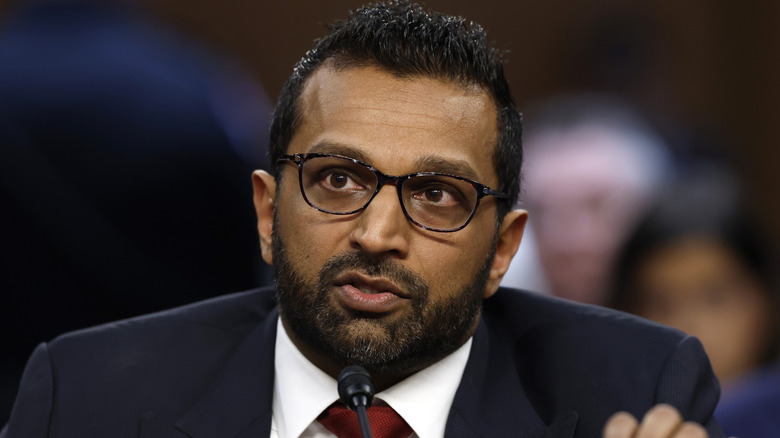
column 751, row 410
column 125, row 160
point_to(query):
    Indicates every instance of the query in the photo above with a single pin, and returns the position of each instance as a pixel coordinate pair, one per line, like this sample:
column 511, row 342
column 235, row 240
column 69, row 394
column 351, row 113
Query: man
column 389, row 278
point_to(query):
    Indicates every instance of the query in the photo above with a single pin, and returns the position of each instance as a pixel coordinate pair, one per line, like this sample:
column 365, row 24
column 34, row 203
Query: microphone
column 356, row 390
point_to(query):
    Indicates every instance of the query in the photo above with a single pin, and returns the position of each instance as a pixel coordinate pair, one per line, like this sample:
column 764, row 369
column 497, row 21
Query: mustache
column 403, row 277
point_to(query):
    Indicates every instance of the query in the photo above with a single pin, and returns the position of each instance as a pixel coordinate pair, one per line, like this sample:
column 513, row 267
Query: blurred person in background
column 125, row 159
column 592, row 164
column 700, row 262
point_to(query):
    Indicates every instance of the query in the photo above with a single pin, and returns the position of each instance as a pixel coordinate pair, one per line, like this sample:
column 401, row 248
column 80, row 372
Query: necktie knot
column 385, row 422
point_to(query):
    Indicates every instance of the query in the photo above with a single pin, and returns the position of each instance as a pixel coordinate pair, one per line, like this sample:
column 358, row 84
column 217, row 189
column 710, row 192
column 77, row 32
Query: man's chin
column 364, row 330
column 364, row 341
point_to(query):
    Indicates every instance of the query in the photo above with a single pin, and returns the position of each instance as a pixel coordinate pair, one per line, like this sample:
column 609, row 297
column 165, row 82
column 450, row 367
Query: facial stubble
column 427, row 333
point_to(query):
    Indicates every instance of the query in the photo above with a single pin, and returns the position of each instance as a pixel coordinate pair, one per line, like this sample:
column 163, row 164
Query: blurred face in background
column 584, row 192
column 701, row 287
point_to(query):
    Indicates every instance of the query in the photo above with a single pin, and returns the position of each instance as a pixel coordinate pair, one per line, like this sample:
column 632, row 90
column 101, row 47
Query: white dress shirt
column 302, row 391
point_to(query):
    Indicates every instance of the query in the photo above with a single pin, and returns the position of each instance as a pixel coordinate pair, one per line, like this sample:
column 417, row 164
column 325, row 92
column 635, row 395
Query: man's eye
column 434, row 195
column 339, row 180
column 438, row 195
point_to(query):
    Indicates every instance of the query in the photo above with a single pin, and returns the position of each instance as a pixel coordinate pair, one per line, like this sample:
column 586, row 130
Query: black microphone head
column 355, row 387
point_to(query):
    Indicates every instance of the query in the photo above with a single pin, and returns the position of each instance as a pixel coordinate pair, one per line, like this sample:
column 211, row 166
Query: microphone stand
column 365, row 427
column 356, row 390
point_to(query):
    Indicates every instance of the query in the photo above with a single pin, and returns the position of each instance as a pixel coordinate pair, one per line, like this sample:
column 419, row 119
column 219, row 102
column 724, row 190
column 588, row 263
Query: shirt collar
column 423, row 399
column 301, row 390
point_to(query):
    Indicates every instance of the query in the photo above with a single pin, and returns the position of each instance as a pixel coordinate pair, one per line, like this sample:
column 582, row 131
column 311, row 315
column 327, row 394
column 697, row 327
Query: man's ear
column 509, row 236
column 265, row 196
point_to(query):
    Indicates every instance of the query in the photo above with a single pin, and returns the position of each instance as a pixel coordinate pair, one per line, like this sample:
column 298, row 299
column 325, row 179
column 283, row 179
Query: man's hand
column 662, row 421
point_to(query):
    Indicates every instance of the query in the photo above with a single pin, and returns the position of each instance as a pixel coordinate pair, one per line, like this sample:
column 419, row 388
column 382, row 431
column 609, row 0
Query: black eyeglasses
column 434, row 201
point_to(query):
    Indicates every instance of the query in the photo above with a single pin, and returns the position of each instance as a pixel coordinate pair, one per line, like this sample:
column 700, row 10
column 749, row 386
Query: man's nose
column 382, row 228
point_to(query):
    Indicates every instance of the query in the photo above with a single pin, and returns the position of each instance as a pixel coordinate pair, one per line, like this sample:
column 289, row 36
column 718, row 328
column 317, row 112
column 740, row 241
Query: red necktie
column 385, row 422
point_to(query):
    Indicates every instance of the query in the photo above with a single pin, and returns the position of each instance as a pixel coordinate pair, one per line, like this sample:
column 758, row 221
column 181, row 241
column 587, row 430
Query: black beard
column 431, row 332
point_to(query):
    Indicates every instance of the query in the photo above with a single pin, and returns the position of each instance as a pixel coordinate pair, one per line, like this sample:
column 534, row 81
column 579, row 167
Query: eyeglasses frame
column 384, row 179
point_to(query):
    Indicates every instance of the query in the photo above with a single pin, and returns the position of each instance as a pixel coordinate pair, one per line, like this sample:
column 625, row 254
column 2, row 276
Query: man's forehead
column 343, row 65
column 368, row 95
column 369, row 77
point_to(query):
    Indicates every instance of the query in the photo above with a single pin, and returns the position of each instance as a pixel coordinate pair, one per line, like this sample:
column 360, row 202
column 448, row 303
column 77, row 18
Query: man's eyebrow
column 432, row 163
column 328, row 147
column 429, row 163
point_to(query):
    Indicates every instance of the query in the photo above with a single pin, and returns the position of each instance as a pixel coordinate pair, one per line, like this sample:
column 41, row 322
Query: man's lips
column 366, row 294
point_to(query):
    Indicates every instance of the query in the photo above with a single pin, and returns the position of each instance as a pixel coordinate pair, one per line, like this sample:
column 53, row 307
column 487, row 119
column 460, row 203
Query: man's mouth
column 366, row 294
column 370, row 285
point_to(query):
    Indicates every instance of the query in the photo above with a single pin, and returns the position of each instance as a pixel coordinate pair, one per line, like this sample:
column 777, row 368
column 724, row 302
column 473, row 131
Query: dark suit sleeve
column 688, row 383
column 30, row 415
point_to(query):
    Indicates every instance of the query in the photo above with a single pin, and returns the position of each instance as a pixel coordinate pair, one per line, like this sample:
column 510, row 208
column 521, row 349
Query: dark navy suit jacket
column 539, row 367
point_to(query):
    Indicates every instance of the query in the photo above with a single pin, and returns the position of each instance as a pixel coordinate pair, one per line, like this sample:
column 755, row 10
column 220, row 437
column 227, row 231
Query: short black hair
column 408, row 41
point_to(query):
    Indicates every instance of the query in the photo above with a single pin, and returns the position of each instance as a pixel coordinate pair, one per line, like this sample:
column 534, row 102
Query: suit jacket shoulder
column 99, row 381
column 556, row 360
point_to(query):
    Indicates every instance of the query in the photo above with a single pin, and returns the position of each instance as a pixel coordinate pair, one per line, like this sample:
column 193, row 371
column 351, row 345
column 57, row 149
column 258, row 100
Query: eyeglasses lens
column 342, row 186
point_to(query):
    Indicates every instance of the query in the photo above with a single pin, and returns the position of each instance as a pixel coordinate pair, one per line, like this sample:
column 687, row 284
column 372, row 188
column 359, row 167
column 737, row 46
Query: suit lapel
column 491, row 401
column 239, row 402
column 152, row 427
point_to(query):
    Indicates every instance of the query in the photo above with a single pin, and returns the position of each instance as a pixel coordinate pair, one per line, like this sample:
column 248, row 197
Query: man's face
column 371, row 288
